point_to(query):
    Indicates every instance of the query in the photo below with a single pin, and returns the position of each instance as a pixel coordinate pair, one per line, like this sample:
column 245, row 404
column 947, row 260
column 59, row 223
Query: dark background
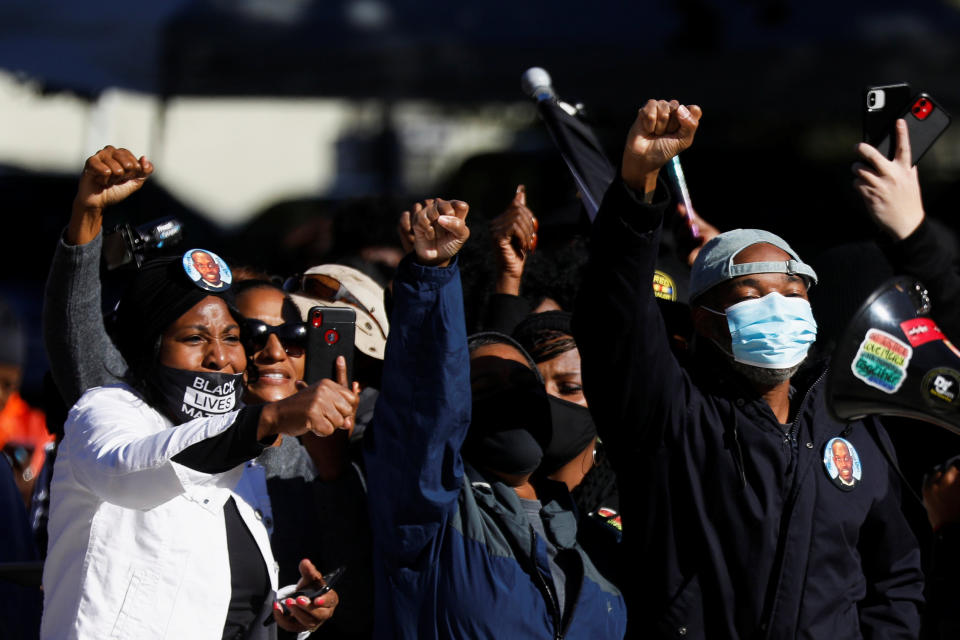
column 780, row 83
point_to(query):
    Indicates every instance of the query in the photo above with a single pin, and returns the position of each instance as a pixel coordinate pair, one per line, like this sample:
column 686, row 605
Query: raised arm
column 81, row 354
column 412, row 450
column 122, row 452
column 631, row 379
column 514, row 235
column 125, row 453
column 891, row 192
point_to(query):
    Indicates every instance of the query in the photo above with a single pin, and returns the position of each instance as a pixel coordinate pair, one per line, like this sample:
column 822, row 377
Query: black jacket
column 734, row 527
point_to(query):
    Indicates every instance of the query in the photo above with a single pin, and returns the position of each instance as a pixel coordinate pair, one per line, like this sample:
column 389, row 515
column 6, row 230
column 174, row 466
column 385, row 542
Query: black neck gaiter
column 183, row 395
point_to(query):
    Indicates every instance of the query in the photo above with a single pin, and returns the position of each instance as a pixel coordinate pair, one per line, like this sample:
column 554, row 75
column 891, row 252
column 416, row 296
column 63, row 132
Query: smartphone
column 926, row 120
column 330, row 333
column 882, row 105
column 315, row 589
column 312, row 590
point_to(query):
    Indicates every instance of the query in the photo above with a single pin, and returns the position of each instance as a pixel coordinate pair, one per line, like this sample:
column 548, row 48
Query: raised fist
column 109, row 176
column 439, row 229
column 661, row 131
column 515, row 236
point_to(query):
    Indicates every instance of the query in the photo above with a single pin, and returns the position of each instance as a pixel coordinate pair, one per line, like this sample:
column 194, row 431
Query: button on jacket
column 734, row 527
column 138, row 546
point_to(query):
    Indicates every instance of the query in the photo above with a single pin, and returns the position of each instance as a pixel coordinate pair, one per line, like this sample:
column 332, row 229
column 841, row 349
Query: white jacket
column 138, row 547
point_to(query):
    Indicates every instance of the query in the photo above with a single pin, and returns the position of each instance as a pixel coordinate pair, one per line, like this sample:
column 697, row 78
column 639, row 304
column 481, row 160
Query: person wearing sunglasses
column 275, row 340
column 308, row 477
column 150, row 531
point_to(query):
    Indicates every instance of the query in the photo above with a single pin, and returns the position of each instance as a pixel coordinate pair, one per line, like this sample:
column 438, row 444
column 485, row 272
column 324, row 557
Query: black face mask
column 510, row 425
column 572, row 431
column 185, row 395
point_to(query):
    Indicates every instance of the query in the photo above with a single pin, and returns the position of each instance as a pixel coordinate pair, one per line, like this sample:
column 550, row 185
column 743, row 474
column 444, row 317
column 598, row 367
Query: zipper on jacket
column 785, row 518
column 794, row 429
column 551, row 598
column 573, row 606
column 731, row 441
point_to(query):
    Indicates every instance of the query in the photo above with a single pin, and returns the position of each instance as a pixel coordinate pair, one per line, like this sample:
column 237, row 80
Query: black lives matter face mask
column 186, row 395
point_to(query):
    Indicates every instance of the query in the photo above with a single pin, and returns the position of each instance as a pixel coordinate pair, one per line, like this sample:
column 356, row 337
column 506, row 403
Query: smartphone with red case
column 926, row 120
column 330, row 333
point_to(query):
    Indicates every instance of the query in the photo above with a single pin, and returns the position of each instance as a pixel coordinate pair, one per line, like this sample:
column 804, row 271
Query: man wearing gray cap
column 734, row 524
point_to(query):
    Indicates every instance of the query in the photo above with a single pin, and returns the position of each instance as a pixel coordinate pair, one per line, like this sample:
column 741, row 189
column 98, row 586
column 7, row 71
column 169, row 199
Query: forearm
column 123, row 452
column 507, row 284
column 412, row 447
column 233, row 446
column 85, row 224
column 925, row 256
column 80, row 353
column 629, row 372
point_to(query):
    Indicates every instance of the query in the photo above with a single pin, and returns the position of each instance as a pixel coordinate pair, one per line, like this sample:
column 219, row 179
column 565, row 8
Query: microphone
column 578, row 147
column 536, row 83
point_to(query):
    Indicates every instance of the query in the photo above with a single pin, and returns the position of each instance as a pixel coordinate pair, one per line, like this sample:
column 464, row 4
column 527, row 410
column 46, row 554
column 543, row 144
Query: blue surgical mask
column 772, row 332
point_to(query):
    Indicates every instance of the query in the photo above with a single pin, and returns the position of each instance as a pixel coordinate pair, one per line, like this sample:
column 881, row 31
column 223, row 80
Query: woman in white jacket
column 146, row 538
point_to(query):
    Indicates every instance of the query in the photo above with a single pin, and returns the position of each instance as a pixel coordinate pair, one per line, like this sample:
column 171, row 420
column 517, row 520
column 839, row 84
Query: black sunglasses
column 292, row 336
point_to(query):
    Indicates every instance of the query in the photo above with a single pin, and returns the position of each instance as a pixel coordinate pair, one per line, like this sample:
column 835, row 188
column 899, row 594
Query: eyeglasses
column 329, row 289
column 292, row 336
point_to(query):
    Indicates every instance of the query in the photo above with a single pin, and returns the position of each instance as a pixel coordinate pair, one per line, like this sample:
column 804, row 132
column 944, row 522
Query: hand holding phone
column 330, row 333
column 315, row 589
column 890, row 188
column 309, row 606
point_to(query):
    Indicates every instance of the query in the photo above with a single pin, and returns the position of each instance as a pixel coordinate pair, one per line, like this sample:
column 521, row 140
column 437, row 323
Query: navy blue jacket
column 733, row 526
column 457, row 556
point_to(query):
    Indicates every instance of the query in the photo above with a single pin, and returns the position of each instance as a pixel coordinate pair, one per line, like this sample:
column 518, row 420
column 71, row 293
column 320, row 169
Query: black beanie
column 160, row 293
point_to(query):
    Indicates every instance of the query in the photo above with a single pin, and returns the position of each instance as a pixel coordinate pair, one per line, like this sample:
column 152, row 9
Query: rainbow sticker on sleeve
column 881, row 361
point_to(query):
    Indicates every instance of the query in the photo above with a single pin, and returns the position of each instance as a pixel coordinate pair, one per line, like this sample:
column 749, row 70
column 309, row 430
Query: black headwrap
column 160, row 293
column 546, row 335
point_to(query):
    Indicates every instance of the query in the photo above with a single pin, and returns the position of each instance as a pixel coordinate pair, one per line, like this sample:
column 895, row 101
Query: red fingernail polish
column 277, row 607
column 318, row 602
column 303, row 601
column 288, row 602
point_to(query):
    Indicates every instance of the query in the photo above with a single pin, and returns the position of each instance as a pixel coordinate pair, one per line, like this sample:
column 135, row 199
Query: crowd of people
column 598, row 460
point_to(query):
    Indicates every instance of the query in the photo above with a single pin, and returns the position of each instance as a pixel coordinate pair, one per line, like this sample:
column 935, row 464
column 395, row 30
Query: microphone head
column 535, row 82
